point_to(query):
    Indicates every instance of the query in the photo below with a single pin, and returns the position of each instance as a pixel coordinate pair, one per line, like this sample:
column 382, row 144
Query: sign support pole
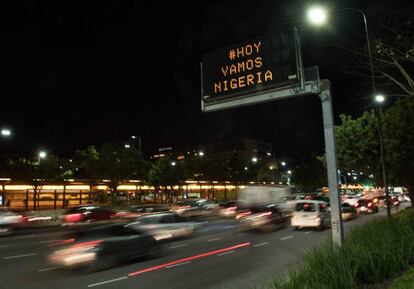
column 331, row 162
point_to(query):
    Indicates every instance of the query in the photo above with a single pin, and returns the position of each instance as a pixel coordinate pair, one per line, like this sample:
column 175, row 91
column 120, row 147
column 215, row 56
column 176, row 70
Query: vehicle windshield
column 305, row 207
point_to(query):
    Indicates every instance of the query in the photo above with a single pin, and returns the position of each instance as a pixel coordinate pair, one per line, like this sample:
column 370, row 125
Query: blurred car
column 350, row 199
column 231, row 208
column 9, row 221
column 366, row 206
column 348, row 212
column 103, row 246
column 194, row 208
column 394, row 201
column 310, row 213
column 86, row 214
column 265, row 218
column 164, row 226
column 140, row 210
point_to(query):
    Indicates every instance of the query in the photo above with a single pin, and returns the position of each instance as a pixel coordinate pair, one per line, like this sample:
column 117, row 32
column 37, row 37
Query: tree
column 36, row 172
column 111, row 162
column 357, row 144
column 309, row 176
column 398, row 131
column 167, row 173
column 392, row 50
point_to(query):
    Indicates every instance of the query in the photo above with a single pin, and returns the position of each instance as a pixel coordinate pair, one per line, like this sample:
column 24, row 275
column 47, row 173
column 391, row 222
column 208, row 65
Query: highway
column 218, row 256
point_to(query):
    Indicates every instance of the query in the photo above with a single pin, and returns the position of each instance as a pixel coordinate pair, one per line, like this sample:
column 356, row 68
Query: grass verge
column 406, row 281
column 373, row 252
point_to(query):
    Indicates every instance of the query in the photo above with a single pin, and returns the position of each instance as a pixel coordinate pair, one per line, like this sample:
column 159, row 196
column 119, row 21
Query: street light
column 42, row 155
column 283, row 164
column 316, row 13
column 5, row 132
column 379, row 98
column 254, row 159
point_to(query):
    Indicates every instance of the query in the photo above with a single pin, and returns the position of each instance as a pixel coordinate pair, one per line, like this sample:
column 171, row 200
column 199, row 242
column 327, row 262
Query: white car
column 310, row 213
column 350, row 199
column 165, row 225
column 8, row 220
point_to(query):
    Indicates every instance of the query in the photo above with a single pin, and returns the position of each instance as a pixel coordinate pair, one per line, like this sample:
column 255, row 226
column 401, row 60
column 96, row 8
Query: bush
column 372, row 252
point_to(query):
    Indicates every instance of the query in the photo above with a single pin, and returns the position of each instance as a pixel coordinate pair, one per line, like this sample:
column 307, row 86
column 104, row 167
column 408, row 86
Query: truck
column 253, row 195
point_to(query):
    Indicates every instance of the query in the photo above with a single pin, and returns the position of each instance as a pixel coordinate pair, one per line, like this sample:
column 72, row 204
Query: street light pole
column 318, row 16
column 378, row 111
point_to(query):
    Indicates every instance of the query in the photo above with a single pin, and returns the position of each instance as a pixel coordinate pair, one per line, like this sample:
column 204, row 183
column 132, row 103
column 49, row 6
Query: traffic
column 95, row 239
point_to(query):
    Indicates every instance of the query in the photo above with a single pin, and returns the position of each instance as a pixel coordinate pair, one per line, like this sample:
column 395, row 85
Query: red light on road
column 199, row 256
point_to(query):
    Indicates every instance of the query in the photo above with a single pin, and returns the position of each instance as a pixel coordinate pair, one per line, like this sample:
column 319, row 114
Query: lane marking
column 177, row 246
column 108, row 281
column 49, row 241
column 285, row 238
column 226, row 253
column 23, row 237
column 261, row 244
column 242, row 234
column 214, row 239
column 179, row 264
column 4, row 246
column 19, row 256
column 308, row 232
column 49, row 269
column 199, row 256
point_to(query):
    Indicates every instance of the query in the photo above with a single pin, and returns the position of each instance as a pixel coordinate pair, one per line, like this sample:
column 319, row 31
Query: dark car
column 348, row 212
column 103, row 246
column 87, row 213
column 367, row 206
column 265, row 218
column 194, row 208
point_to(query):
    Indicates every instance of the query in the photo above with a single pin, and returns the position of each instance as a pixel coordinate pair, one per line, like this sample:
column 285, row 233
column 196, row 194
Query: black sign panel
column 259, row 64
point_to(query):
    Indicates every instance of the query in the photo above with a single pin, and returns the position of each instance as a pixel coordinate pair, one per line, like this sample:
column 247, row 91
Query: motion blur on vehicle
column 265, row 218
column 165, row 225
column 102, row 247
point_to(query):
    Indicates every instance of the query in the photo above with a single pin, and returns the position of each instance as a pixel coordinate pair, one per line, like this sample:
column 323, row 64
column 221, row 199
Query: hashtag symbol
column 232, row 54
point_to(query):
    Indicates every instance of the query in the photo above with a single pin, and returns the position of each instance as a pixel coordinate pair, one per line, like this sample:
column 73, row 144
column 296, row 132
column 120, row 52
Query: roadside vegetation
column 372, row 253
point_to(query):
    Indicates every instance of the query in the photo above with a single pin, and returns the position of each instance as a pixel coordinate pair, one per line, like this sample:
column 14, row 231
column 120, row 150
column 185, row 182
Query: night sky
column 76, row 73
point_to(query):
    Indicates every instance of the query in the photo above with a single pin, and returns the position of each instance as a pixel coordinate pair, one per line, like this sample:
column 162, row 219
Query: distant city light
column 127, row 146
column 254, row 159
column 173, row 163
column 246, row 168
column 289, row 172
column 133, row 136
column 271, row 167
column 42, row 154
column 5, row 132
column 354, row 177
column 283, row 164
column 201, row 153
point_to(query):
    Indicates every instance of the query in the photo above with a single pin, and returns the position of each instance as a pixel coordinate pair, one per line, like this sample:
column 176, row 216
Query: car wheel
column 6, row 231
column 321, row 227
